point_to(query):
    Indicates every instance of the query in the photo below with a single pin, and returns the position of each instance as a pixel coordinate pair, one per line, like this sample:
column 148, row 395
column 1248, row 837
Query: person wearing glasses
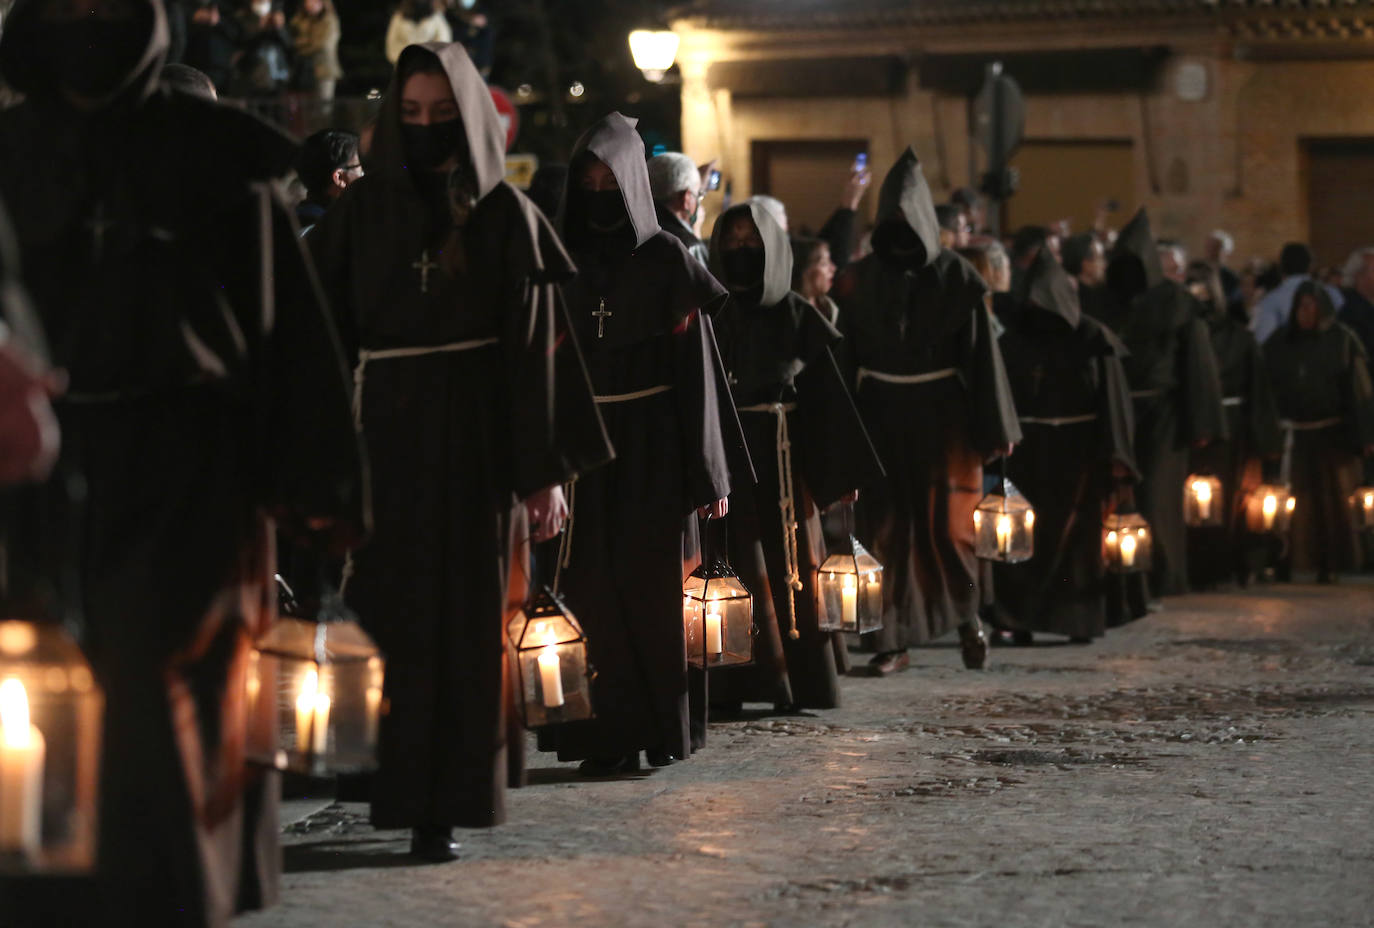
column 328, row 163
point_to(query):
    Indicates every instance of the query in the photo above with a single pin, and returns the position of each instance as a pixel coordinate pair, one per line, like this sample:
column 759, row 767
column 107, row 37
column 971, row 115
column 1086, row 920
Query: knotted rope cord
column 787, row 505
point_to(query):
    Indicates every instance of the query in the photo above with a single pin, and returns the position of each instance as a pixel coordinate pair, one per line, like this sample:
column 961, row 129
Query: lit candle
column 849, row 602
column 1369, row 502
column 1290, row 505
column 1271, row 509
column 1003, row 534
column 21, row 772
column 715, row 630
column 550, row 668
column 254, row 685
column 312, row 715
column 1127, row 550
column 1202, row 492
column 374, row 698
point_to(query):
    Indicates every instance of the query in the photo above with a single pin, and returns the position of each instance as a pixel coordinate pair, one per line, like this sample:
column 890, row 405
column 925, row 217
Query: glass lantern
column 1362, row 508
column 548, row 655
column 1126, row 543
column 717, row 617
column 314, row 694
column 1202, row 501
column 849, row 588
column 1269, row 509
column 50, row 729
column 1004, row 526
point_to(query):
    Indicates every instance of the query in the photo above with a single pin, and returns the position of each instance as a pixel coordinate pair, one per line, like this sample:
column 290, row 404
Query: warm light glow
column 977, row 518
column 653, row 52
column 1369, row 501
column 1202, row 490
column 312, row 715
column 14, row 714
column 1271, row 506
column 1127, row 550
column 850, row 582
column 1030, row 518
column 17, row 638
column 1291, row 504
column 872, row 577
column 1003, row 533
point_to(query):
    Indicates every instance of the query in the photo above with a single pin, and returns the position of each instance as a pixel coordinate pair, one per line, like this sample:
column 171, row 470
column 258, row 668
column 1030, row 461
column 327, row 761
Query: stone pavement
column 1212, row 765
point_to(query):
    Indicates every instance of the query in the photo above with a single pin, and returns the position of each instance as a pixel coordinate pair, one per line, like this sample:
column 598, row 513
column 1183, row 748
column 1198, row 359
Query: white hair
column 774, row 207
column 671, row 173
column 1354, row 264
column 1228, row 244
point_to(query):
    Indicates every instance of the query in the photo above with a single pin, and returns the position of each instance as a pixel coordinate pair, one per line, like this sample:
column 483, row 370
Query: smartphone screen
column 860, row 162
column 713, row 181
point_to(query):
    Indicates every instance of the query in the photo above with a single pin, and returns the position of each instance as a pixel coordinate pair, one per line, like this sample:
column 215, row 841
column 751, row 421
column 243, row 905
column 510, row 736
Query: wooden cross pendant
column 424, row 266
column 602, row 314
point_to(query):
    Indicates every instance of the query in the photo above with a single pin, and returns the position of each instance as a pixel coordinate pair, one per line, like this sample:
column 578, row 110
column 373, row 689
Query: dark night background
column 548, row 45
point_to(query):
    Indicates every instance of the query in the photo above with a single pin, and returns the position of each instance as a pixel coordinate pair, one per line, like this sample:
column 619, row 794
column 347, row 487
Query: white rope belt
column 908, row 379
column 1233, row 401
column 787, row 505
column 636, row 395
column 367, row 356
column 1059, row 420
column 1291, row 429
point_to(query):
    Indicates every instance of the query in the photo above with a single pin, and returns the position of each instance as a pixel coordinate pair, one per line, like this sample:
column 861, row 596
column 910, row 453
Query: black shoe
column 434, row 844
column 609, row 766
column 659, row 759
column 973, row 647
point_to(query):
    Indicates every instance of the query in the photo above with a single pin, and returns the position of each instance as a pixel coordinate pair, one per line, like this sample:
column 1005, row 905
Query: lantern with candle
column 717, row 616
column 1269, row 509
column 1362, row 508
column 50, row 727
column 1202, row 501
column 314, row 694
column 1126, row 543
column 849, row 590
column 547, row 651
column 1004, row 526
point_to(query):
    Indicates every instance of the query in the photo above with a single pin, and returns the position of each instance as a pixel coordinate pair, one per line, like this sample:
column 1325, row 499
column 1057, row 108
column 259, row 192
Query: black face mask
column 605, row 210
column 899, row 243
column 96, row 56
column 743, row 268
column 429, row 147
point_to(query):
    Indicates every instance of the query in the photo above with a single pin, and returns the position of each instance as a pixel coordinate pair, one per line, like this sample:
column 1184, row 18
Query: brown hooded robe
column 206, row 391
column 925, row 314
column 1174, row 384
column 1075, row 407
column 455, row 438
column 777, row 349
column 678, row 447
column 1321, row 381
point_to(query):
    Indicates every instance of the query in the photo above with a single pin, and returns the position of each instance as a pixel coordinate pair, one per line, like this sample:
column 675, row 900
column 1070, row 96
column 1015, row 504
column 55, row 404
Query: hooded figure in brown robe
column 641, row 307
column 931, row 386
column 802, row 428
column 1175, row 387
column 471, row 395
column 1321, row 380
column 1229, row 552
column 1075, row 409
column 207, row 392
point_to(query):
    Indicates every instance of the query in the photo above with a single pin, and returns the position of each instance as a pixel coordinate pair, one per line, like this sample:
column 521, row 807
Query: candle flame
column 1291, row 504
column 977, row 518
column 1202, row 489
column 310, row 696
column 872, row 577
column 1128, row 545
column 545, row 633
column 14, row 713
column 1369, row 501
column 851, row 582
column 1111, row 538
column 1030, row 518
column 1271, row 504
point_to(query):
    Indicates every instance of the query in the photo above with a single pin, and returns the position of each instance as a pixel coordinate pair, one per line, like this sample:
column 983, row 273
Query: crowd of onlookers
column 263, row 48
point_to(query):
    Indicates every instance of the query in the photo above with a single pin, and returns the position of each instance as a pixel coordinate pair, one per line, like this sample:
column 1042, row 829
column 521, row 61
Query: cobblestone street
column 1209, row 765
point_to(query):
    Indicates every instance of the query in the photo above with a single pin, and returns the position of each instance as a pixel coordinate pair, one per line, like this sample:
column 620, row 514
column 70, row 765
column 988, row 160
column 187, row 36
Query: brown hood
column 485, row 135
column 1048, row 288
column 29, row 62
column 1137, row 241
column 905, row 197
column 777, row 250
column 615, row 142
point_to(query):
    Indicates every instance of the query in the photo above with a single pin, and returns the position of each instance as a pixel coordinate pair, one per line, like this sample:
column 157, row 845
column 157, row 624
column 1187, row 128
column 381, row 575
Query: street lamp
column 653, row 51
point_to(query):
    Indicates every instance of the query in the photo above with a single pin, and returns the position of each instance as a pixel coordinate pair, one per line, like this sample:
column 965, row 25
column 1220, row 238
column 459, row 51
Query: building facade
column 1250, row 115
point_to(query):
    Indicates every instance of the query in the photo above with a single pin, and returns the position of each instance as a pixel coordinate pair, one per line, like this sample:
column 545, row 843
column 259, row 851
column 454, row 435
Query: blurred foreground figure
column 471, row 397
column 934, row 395
column 206, row 394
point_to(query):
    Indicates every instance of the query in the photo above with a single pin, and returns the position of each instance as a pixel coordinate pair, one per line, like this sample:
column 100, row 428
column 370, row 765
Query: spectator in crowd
column 415, row 22
column 968, row 200
column 1358, row 311
column 328, row 163
column 212, row 41
column 1085, row 259
column 315, row 28
column 1173, row 260
column 471, row 25
column 264, row 68
column 1218, row 247
column 185, row 79
column 813, row 271
column 954, row 230
column 676, row 187
column 1295, row 266
column 1026, row 245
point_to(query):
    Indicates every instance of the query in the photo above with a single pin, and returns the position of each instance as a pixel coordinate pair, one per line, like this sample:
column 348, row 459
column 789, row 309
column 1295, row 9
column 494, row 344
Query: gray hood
column 905, row 197
column 777, row 250
column 615, row 142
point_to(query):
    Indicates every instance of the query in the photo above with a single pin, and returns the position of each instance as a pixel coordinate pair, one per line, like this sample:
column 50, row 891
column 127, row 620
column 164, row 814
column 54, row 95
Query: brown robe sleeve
column 1202, row 418
column 717, row 457
column 994, row 421
column 1115, row 407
